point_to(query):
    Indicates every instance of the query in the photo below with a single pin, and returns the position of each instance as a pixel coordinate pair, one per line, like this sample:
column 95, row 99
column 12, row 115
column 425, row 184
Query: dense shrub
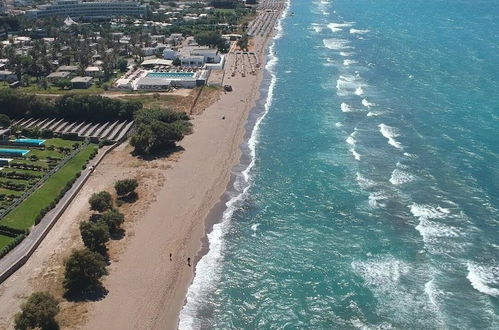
column 71, row 107
column 39, row 311
column 95, row 235
column 113, row 219
column 126, row 186
column 101, row 201
column 83, row 270
column 158, row 129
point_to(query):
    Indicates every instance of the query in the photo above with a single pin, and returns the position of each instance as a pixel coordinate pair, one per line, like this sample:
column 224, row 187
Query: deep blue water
column 374, row 197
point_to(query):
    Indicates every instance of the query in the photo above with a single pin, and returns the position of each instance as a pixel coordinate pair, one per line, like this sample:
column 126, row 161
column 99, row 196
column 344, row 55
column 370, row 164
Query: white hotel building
column 88, row 9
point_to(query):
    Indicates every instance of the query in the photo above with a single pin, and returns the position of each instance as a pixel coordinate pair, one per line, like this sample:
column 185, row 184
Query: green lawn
column 23, row 217
column 57, row 142
column 4, row 240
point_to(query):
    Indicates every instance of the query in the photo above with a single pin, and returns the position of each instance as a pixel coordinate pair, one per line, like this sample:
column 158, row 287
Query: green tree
column 123, row 65
column 95, row 235
column 158, row 129
column 212, row 39
column 39, row 311
column 62, row 83
column 4, row 120
column 101, row 201
column 243, row 42
column 113, row 219
column 83, row 270
column 126, row 186
column 176, row 61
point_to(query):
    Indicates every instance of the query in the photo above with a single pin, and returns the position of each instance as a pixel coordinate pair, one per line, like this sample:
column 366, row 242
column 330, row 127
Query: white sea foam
column 390, row 133
column 383, row 275
column 428, row 211
column 400, row 177
column 351, row 139
column 364, row 182
column 208, row 269
column 374, row 114
column 337, row 27
column 316, row 27
column 338, row 124
column 429, row 228
column 366, row 103
column 348, row 62
column 433, row 294
column 355, row 31
column 347, row 84
column 336, row 44
column 345, row 54
column 355, row 154
column 359, row 91
column 484, row 278
column 375, row 199
column 345, row 107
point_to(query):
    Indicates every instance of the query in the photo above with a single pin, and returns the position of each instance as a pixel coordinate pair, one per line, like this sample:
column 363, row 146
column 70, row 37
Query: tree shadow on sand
column 158, row 154
column 95, row 293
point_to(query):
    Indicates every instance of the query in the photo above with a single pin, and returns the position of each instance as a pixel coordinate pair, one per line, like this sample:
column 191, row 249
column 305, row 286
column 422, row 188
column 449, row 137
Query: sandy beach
column 146, row 289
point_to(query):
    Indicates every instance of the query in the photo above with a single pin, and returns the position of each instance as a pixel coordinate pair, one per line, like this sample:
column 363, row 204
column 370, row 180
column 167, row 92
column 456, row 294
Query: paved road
column 21, row 253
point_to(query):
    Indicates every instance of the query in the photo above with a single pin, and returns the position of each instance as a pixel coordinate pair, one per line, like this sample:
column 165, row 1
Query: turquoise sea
column 368, row 196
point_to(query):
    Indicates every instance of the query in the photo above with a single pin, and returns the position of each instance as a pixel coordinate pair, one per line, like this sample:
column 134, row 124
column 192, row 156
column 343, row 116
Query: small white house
column 94, row 71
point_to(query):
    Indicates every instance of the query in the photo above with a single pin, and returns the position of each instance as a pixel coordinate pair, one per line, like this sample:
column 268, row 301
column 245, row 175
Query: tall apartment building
column 88, row 9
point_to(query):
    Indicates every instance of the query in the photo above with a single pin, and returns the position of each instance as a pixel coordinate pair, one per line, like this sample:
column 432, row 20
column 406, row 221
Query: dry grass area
column 151, row 177
column 207, row 96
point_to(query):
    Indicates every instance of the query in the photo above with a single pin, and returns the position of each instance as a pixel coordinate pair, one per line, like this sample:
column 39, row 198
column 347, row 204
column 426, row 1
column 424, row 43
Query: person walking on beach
column 189, row 262
column 170, row 257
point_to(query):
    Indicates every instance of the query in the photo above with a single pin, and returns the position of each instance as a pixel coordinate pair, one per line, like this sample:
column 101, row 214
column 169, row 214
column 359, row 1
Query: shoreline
column 239, row 182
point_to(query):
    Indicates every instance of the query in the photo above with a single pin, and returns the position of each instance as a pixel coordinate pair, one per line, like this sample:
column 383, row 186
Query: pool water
column 30, row 141
column 13, row 152
column 177, row 75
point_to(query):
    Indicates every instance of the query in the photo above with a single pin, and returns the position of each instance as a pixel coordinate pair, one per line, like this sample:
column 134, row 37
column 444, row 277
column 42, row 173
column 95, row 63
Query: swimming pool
column 171, row 75
column 37, row 142
column 13, row 152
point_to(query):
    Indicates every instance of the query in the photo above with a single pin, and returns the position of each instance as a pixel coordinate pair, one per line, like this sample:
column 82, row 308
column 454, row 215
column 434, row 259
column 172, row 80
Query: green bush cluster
column 13, row 185
column 25, row 166
column 38, row 312
column 18, row 175
column 96, row 108
column 83, row 271
column 158, row 129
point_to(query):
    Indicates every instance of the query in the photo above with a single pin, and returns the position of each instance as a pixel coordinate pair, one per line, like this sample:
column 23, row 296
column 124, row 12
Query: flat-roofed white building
column 88, row 9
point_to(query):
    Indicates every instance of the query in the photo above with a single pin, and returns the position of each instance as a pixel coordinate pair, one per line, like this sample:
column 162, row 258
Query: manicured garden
column 17, row 179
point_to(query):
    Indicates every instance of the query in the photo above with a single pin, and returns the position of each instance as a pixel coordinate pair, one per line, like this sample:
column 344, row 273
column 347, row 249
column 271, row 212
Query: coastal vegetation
column 158, row 130
column 101, row 201
column 95, row 235
column 83, row 271
column 125, row 187
column 96, row 108
column 38, row 312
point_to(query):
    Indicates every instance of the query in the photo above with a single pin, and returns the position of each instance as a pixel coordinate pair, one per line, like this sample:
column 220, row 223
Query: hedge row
column 18, row 175
column 12, row 232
